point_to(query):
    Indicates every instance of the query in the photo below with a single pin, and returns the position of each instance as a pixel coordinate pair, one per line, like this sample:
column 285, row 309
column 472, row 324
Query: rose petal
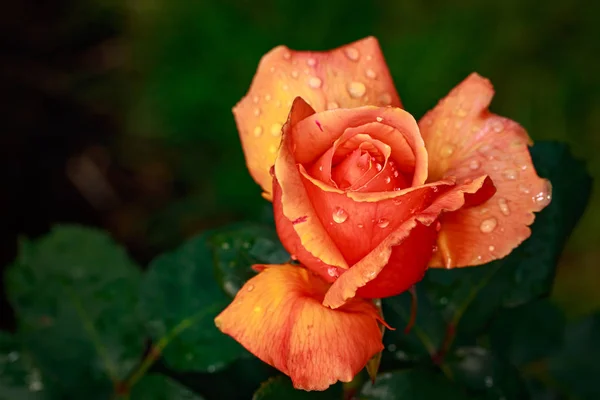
column 278, row 316
column 368, row 268
column 349, row 76
column 465, row 140
column 294, row 199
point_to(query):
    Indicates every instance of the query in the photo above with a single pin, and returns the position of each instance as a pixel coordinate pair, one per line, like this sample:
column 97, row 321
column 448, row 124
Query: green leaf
column 159, row 387
column 576, row 367
column 474, row 294
column 411, row 384
column 179, row 301
column 19, row 377
column 424, row 338
column 528, row 333
column 281, row 388
column 486, row 375
column 237, row 248
column 75, row 293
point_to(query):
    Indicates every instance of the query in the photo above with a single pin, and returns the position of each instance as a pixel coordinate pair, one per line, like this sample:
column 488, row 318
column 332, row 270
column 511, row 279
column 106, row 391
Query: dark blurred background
column 117, row 113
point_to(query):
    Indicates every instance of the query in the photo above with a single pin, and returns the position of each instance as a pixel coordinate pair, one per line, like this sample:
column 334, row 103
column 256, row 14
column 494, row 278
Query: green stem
column 157, row 349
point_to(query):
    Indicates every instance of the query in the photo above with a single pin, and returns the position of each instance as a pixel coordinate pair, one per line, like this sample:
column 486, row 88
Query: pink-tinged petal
column 465, row 140
column 278, row 316
column 350, row 76
column 365, row 271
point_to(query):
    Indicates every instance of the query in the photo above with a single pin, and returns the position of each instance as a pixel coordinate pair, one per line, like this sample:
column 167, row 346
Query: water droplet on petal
column 391, row 347
column 256, row 112
column 275, row 129
column 225, row 246
column 267, row 97
column 378, row 167
column 397, row 201
column 523, row 189
column 370, row 73
column 447, row 150
column 396, row 173
column 273, row 149
column 287, row 55
column 388, row 179
column 360, row 226
column 488, row 225
column 250, row 288
column 352, row 53
column 294, row 74
column 438, row 226
column 379, row 119
column 544, row 197
column 340, row 215
column 461, row 112
column 497, row 126
column 255, row 99
column 320, row 168
column 332, row 271
column 332, row 105
column 491, row 248
column 311, row 62
column 474, row 165
column 356, row 89
column 489, row 381
column 257, row 131
column 314, row 82
column 510, row 174
column 383, row 222
column 503, row 206
column 385, row 99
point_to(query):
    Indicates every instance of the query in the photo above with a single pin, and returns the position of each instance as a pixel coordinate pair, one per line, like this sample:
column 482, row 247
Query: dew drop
column 388, row 179
column 489, row 381
column 397, row 201
column 488, row 225
column 461, row 112
column 385, row 99
column 378, row 167
column 257, row 131
column 503, row 206
column 544, row 197
column 255, row 99
column 491, row 248
column 356, row 89
column 256, row 112
column 294, row 74
column 332, row 271
column 250, row 288
column 352, row 53
column 225, row 246
column 273, row 149
column 510, row 174
column 370, row 73
column 275, row 129
column 12, row 356
column 257, row 309
column 438, row 226
column 391, row 347
column 332, row 105
column 379, row 119
column 497, row 126
column 311, row 62
column 267, row 97
column 320, row 168
column 340, row 215
column 314, row 82
column 360, row 226
column 523, row 189
column 383, row 222
column 272, row 69
column 447, row 150
column 285, row 87
column 287, row 55
column 396, row 173
column 369, row 57
column 474, row 165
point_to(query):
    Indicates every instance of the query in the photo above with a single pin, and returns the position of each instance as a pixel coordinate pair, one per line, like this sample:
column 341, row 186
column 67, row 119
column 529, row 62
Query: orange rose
column 367, row 199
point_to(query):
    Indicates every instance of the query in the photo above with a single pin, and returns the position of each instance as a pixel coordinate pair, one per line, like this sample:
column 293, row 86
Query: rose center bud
column 366, row 169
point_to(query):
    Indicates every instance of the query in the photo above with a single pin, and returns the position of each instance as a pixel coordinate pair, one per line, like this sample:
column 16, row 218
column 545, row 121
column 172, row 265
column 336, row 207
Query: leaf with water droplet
column 246, row 244
column 486, row 375
column 19, row 376
column 180, row 293
column 75, row 293
column 411, row 384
